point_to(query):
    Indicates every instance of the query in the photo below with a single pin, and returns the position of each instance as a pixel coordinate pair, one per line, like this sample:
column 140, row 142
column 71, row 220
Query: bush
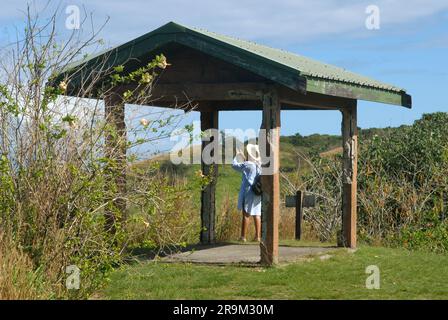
column 161, row 213
column 402, row 186
column 432, row 237
column 403, row 181
column 55, row 178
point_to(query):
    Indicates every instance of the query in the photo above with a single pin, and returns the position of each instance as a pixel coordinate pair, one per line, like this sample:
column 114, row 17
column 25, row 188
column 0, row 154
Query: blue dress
column 247, row 199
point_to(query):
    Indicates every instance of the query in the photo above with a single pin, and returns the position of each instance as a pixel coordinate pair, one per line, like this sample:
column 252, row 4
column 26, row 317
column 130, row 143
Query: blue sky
column 410, row 49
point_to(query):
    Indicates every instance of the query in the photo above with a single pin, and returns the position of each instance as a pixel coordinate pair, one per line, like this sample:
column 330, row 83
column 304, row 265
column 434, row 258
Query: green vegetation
column 406, row 169
column 64, row 200
column 403, row 274
column 61, row 196
column 314, row 143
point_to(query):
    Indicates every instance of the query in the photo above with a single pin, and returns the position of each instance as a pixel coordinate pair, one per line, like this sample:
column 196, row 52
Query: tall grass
column 18, row 278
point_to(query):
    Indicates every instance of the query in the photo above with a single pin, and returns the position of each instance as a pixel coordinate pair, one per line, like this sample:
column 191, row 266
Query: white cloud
column 276, row 21
column 13, row 9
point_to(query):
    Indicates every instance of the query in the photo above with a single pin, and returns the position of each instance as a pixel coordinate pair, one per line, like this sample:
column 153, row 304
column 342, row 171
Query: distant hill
column 293, row 148
column 315, row 143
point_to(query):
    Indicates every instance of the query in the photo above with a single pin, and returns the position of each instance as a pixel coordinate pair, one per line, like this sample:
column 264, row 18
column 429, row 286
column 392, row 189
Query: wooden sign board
column 299, row 201
column 309, row 201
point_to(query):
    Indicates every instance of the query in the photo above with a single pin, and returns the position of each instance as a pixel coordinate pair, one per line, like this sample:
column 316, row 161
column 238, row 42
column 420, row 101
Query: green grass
column 404, row 275
column 228, row 184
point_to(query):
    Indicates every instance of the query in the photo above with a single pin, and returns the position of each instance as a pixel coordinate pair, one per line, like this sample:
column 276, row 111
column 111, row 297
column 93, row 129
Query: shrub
column 54, row 184
column 403, row 180
column 402, row 186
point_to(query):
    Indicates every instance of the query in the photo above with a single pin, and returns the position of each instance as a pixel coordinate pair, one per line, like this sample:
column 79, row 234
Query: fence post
column 299, row 213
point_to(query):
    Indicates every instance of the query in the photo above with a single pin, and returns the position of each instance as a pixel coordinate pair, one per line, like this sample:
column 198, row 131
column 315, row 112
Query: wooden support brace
column 209, row 120
column 270, row 150
column 349, row 175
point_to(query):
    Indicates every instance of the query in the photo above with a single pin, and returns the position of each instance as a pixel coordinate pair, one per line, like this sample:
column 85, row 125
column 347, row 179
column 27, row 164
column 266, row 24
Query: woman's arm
column 238, row 162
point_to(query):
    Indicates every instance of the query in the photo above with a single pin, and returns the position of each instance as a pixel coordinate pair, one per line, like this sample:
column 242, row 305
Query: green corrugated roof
column 306, row 66
column 286, row 68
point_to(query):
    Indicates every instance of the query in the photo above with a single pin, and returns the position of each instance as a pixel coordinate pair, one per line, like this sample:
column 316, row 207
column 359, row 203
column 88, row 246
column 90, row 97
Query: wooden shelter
column 221, row 73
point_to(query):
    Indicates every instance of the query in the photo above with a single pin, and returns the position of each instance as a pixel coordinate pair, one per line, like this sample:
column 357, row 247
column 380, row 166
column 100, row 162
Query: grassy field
column 403, row 274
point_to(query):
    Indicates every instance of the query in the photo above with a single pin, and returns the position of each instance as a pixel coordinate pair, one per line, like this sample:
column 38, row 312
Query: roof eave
column 358, row 92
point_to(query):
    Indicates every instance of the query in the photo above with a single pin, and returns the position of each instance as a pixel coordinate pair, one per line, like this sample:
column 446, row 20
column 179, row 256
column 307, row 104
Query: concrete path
column 242, row 254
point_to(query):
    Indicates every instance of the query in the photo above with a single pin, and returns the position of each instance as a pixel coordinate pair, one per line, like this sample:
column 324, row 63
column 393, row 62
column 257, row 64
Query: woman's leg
column 244, row 225
column 257, row 223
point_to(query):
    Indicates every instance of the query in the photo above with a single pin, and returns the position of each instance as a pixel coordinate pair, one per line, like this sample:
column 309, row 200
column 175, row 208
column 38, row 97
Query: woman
column 248, row 202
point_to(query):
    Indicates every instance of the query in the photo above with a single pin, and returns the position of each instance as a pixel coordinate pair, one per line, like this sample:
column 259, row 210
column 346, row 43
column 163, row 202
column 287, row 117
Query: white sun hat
column 253, row 152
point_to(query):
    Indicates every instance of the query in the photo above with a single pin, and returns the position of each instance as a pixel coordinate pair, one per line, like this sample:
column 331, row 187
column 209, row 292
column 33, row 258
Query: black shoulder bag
column 256, row 185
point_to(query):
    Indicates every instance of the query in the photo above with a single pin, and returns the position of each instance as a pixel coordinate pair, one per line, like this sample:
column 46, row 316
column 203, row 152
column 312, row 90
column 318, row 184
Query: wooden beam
column 115, row 151
column 310, row 100
column 237, row 105
column 203, row 91
column 229, row 105
column 209, row 120
column 358, row 92
column 257, row 105
column 349, row 175
column 270, row 177
column 236, row 96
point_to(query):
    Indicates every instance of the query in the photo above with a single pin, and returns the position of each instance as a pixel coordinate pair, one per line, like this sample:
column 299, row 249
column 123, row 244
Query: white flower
column 146, row 78
column 63, row 86
column 144, row 122
column 162, row 64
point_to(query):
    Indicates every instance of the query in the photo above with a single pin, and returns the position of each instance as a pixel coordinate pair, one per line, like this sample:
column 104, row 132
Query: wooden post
column 209, row 120
column 115, row 151
column 299, row 213
column 270, row 149
column 349, row 175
